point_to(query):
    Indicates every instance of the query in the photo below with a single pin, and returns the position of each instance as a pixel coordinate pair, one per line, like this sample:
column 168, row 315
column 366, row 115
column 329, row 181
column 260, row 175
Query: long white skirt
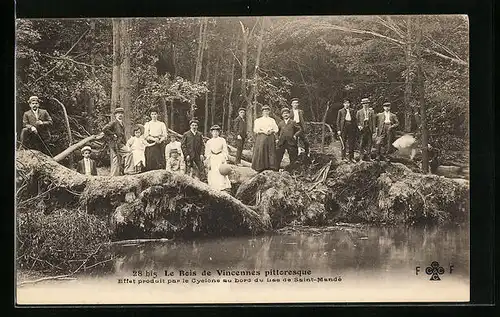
column 215, row 179
column 138, row 157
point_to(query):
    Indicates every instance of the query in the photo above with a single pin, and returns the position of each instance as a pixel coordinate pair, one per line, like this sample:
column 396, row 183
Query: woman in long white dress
column 216, row 154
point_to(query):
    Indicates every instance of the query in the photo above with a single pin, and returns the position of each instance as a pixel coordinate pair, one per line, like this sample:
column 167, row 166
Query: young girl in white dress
column 216, row 154
column 137, row 145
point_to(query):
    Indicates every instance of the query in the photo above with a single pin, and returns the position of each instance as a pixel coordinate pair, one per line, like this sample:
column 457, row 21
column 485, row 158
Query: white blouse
column 216, row 145
column 264, row 124
column 155, row 128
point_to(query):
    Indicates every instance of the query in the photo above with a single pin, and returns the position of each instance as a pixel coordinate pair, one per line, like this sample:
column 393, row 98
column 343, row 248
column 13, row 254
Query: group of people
column 368, row 126
column 148, row 148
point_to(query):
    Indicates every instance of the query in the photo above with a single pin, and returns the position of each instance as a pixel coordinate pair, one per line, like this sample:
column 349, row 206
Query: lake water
column 342, row 265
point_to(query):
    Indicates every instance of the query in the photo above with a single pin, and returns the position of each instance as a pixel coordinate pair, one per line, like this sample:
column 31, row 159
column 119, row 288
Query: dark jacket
column 302, row 123
column 240, row 127
column 287, row 131
column 112, row 129
column 192, row 144
column 381, row 118
column 360, row 118
column 341, row 118
column 80, row 167
column 29, row 120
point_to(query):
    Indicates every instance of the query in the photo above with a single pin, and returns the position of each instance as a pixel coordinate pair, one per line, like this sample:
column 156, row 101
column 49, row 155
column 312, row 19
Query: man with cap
column 297, row 115
column 346, row 129
column 366, row 124
column 175, row 162
column 86, row 165
column 121, row 156
column 386, row 123
column 36, row 123
column 240, row 129
column 193, row 148
column 288, row 132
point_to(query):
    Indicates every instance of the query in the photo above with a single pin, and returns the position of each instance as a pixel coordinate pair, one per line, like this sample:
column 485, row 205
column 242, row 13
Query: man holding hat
column 240, row 129
column 346, row 129
column 288, row 132
column 36, row 123
column 297, row 115
column 193, row 149
column 386, row 123
column 365, row 118
column 121, row 156
column 86, row 165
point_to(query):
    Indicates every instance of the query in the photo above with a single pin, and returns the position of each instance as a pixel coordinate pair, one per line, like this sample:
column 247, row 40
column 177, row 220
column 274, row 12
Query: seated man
column 36, row 122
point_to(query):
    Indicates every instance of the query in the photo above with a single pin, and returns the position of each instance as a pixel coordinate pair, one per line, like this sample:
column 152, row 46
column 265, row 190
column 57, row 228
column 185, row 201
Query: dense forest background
column 209, row 67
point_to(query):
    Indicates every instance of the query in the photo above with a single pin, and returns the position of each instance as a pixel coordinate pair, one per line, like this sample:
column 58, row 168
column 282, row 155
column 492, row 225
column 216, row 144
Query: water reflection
column 372, row 250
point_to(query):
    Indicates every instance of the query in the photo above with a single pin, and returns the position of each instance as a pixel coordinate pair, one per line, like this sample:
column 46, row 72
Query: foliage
column 60, row 242
column 313, row 58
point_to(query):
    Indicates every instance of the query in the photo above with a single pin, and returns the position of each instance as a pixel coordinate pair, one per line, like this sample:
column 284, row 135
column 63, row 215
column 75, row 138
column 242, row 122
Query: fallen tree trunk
column 61, row 156
column 152, row 204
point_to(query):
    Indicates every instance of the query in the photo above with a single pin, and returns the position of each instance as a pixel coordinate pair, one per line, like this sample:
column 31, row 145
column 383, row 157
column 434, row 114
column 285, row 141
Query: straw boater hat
column 32, row 98
column 215, row 127
column 285, row 110
column 193, row 121
column 365, row 100
column 295, row 99
column 265, row 107
column 119, row 109
column 86, row 148
column 241, row 108
column 386, row 104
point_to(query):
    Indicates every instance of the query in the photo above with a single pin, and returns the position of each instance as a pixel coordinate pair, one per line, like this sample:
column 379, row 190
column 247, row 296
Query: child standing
column 86, row 165
column 175, row 163
column 137, row 144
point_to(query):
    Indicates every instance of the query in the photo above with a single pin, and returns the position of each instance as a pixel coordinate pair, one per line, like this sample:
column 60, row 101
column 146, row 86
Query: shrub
column 61, row 242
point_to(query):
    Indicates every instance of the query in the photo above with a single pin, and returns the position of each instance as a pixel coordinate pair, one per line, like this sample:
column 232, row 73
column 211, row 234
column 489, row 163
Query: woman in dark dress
column 264, row 150
column 155, row 132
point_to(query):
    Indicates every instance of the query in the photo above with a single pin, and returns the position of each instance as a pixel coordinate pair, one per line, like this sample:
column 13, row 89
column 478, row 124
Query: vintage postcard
column 262, row 159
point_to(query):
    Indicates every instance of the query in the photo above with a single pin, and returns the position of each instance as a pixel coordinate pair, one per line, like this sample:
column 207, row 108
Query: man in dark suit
column 365, row 118
column 121, row 157
column 240, row 129
column 193, row 147
column 297, row 115
column 346, row 129
column 36, row 122
column 288, row 134
column 386, row 124
column 86, row 165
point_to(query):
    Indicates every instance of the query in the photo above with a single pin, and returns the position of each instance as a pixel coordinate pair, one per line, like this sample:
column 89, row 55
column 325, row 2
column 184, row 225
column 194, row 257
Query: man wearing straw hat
column 288, row 133
column 366, row 124
column 297, row 115
column 193, row 148
column 86, row 165
column 121, row 157
column 240, row 129
column 386, row 124
column 36, row 123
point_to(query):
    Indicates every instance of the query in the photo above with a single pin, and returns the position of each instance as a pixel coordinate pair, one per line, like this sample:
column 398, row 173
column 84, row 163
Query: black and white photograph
column 253, row 159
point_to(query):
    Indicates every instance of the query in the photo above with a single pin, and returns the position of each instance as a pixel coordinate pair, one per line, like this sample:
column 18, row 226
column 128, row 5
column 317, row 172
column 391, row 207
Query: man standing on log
column 288, row 133
column 36, row 123
column 386, row 123
column 121, row 156
column 366, row 125
column 240, row 128
column 193, row 148
column 346, row 129
column 297, row 115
